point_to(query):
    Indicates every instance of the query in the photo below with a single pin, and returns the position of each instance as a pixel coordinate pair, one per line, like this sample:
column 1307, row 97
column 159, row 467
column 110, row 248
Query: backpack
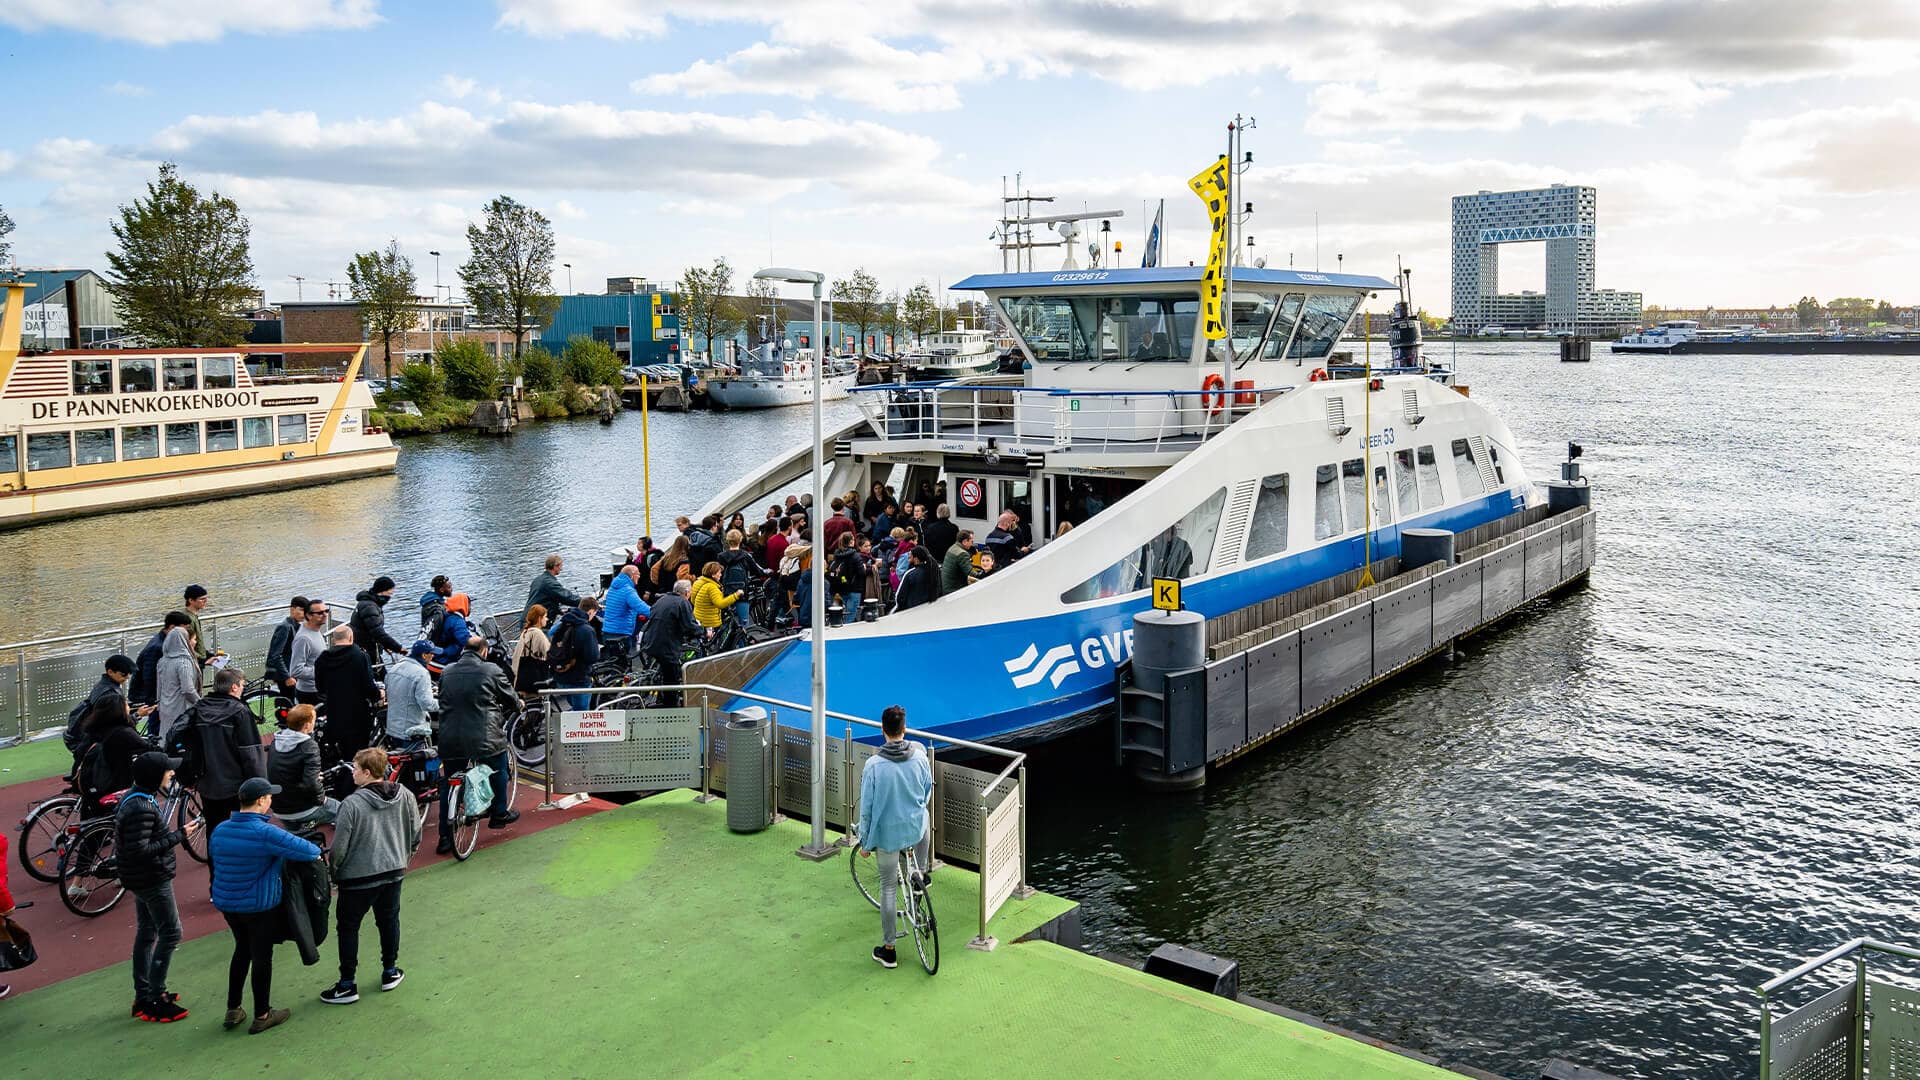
column 75, row 738
column 563, row 654
column 185, row 745
column 849, row 573
column 702, row 548
column 434, row 622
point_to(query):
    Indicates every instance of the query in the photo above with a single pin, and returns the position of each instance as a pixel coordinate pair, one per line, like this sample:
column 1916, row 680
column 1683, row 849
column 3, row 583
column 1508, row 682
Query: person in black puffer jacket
column 143, row 846
column 293, row 765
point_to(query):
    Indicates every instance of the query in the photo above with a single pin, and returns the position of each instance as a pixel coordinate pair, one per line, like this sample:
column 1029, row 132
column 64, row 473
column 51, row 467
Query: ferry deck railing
column 1864, row 1026
column 978, row 815
column 991, row 416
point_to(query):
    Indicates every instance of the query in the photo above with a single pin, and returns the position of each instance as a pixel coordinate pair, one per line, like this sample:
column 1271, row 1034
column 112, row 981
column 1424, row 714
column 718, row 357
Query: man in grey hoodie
column 178, row 679
column 374, row 836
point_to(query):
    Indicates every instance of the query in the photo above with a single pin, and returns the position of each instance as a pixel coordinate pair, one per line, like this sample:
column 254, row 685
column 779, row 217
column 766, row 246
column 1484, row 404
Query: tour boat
column 952, row 354
column 771, row 375
column 85, row 432
column 1245, row 474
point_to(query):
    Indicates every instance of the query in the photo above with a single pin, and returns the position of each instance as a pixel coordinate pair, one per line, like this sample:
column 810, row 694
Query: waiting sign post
column 593, row 727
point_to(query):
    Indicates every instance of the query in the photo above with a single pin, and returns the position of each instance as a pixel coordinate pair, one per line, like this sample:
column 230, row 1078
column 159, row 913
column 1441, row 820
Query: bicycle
column 268, row 703
column 43, row 832
column 89, row 873
column 915, row 906
column 417, row 768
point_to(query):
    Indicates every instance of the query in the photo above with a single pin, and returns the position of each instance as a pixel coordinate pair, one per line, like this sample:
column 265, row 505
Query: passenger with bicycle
column 293, row 765
column 373, row 838
column 143, row 848
column 710, row 602
column 620, row 620
column 575, row 650
column 409, row 692
column 669, row 629
column 113, row 744
column 475, row 700
column 896, row 785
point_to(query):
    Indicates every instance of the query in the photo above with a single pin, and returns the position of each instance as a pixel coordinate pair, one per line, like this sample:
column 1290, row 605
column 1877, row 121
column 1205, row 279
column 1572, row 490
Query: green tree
column 856, row 300
column 589, row 362
column 1884, row 313
column 422, row 384
column 918, row 312
column 1807, row 312
column 6, row 226
column 540, row 369
column 892, row 322
column 764, row 309
column 183, row 268
column 472, row 375
column 383, row 283
column 509, row 273
column 705, row 306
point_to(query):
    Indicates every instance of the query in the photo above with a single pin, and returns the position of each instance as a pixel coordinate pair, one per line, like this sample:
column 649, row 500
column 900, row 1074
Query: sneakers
column 168, row 997
column 235, row 1017
column 164, row 1012
column 273, row 1018
column 340, row 993
column 885, row 956
column 503, row 820
column 5, row 990
column 390, row 978
column 445, row 846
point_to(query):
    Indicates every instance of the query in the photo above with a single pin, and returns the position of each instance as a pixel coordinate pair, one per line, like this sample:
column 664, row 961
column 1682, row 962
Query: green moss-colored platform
column 650, row 941
column 35, row 760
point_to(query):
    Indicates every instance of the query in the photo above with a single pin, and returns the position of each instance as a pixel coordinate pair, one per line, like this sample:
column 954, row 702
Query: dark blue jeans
column 156, row 934
column 501, row 778
column 575, row 702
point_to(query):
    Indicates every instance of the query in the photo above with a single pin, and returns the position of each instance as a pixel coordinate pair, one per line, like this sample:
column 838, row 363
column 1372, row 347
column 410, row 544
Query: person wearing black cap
column 113, row 681
column 247, row 852
column 143, row 845
column 195, row 601
column 370, row 625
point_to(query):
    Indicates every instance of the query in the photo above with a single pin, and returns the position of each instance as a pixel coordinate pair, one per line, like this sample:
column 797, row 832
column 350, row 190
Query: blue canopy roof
column 1166, row 275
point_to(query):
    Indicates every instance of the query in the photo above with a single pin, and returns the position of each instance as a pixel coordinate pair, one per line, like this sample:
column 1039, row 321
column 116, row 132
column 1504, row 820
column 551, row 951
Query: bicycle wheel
column 512, row 780
column 268, row 706
column 41, row 834
column 926, row 932
column 466, row 827
column 89, row 878
column 866, row 875
column 192, row 810
column 527, row 738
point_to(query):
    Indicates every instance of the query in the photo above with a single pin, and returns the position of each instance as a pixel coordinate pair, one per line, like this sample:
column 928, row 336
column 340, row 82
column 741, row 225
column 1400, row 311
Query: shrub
column 590, row 363
column 548, row 405
column 471, row 374
column 541, row 369
column 422, row 385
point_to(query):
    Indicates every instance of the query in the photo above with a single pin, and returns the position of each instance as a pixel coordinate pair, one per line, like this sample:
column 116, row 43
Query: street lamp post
column 569, row 267
column 817, row 848
column 436, row 300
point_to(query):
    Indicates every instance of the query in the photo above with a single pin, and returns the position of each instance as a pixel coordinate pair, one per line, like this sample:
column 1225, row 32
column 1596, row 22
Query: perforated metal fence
column 1866, row 1025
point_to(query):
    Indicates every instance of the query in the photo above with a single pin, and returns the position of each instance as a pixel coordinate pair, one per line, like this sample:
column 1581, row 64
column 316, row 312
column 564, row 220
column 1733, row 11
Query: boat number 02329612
column 1384, row 438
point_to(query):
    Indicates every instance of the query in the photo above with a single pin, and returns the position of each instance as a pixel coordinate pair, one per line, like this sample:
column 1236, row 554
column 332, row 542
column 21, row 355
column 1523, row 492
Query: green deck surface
column 36, row 760
column 650, row 941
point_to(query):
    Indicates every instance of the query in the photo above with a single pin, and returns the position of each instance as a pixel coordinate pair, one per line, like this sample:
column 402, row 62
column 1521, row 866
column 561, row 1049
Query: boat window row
column 1147, row 329
column 140, row 442
column 145, row 374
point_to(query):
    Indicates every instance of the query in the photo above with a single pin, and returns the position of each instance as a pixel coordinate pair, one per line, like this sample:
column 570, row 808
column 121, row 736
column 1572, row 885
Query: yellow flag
column 1211, row 186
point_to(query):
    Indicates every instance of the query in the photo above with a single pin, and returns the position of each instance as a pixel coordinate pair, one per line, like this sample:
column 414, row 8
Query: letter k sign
column 1166, row 594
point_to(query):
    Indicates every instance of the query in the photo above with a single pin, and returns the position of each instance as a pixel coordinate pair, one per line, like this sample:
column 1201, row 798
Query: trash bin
column 748, row 747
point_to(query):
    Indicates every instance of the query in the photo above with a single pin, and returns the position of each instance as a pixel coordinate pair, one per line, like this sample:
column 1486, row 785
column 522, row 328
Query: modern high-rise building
column 1563, row 217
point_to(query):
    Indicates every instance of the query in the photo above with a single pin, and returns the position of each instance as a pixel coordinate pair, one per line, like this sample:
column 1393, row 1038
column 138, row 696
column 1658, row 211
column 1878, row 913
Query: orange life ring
column 1213, row 394
column 1319, row 375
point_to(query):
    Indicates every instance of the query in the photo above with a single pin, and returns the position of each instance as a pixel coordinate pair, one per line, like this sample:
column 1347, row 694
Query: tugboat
column 771, row 375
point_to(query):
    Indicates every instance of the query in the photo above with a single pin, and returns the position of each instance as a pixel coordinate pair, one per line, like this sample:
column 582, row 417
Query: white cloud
column 170, row 22
column 620, row 19
column 703, row 208
column 862, row 70
column 127, row 89
column 1853, row 150
column 565, row 210
column 459, row 89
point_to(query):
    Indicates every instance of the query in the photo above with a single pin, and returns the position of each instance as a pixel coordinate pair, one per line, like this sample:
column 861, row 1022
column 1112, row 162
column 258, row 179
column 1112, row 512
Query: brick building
column 340, row 321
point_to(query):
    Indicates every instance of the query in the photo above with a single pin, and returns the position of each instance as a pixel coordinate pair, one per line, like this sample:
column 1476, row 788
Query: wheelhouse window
column 139, row 443
column 9, row 453
column 1097, row 329
column 1284, row 319
column 1182, row 550
column 223, row 435
column 1465, row 473
column 257, row 431
column 183, row 439
column 217, row 372
column 93, row 447
column 52, row 450
column 1326, row 502
column 1324, row 320
column 138, row 374
column 1429, row 474
column 181, row 373
column 1267, row 532
column 293, row 428
column 93, row 376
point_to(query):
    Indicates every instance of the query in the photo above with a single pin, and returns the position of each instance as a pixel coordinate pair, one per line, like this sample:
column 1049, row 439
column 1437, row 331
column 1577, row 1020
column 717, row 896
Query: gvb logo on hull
column 1062, row 662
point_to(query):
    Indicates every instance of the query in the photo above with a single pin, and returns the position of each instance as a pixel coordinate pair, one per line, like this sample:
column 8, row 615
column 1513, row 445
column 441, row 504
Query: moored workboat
column 771, row 376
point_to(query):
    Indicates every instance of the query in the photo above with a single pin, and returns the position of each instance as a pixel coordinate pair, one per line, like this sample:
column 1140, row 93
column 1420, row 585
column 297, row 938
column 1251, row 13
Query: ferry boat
column 953, row 354
column 772, row 375
column 1684, row 336
column 1246, row 474
column 86, row 432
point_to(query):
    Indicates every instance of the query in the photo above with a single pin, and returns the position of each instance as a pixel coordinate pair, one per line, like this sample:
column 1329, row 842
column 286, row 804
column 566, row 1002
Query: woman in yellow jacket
column 708, row 601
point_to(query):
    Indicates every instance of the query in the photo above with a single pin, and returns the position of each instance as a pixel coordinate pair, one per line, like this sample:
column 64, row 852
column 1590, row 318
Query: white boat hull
column 754, row 392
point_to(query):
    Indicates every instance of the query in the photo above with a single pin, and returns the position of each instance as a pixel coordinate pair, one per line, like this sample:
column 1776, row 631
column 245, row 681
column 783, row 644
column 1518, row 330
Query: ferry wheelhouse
column 1243, row 466
column 88, row 432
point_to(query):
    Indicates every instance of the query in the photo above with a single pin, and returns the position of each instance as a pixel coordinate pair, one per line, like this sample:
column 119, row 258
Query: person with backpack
column 452, row 634
column 575, row 649
column 246, row 852
column 223, row 749
column 143, row 846
column 112, row 745
column 621, row 617
column 847, row 576
column 738, row 567
column 433, row 606
column 113, row 681
column 373, row 839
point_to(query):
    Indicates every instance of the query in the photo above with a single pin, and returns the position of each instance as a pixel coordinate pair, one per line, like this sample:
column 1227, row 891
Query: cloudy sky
column 1746, row 151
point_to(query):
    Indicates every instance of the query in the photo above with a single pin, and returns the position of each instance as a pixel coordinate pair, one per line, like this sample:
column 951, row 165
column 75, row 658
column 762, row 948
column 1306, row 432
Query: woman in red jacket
column 6, row 898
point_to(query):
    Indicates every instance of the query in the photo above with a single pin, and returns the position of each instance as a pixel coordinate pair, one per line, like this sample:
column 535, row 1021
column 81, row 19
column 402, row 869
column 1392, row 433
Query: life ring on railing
column 1319, row 375
column 1213, row 394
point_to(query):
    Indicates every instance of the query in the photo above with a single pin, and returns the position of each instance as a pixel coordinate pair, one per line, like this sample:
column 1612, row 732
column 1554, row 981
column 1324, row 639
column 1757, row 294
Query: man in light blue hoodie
column 895, row 786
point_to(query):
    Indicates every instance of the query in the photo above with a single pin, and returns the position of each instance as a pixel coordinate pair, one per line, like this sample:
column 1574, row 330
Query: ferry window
column 137, row 374
column 1406, row 488
column 183, row 439
column 1429, row 472
column 1353, row 488
column 1283, row 320
column 293, row 428
column 258, row 431
column 218, row 372
column 1252, row 318
column 1054, row 327
column 1181, row 551
column 223, row 435
column 1326, row 502
column 9, row 453
column 93, row 447
column 1464, row 470
column 1267, row 532
column 1321, row 325
column 1146, row 328
column 93, row 376
column 182, row 373
column 1382, row 502
column 49, row 451
column 139, row 443
column 1493, row 458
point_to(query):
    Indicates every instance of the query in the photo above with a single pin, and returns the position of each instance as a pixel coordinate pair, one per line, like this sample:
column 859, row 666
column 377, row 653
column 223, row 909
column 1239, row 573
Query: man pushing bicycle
column 895, row 787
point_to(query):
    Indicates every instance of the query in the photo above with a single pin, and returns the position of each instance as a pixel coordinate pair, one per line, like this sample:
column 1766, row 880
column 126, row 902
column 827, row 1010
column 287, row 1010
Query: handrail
column 1838, row 952
column 146, row 627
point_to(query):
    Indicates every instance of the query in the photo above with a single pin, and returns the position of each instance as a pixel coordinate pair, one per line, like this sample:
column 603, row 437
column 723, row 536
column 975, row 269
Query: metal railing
column 1053, row 418
column 1863, row 1026
column 977, row 816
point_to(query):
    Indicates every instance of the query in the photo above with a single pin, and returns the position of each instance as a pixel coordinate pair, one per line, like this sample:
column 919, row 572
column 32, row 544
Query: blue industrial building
column 637, row 320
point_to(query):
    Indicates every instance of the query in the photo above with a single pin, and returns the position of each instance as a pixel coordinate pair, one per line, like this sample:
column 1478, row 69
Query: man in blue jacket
column 623, row 613
column 247, row 851
column 895, row 786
